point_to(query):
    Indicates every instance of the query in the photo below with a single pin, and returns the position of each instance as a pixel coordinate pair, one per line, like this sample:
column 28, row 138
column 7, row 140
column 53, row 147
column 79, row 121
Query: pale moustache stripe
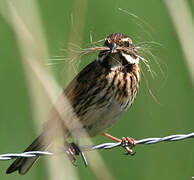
column 130, row 59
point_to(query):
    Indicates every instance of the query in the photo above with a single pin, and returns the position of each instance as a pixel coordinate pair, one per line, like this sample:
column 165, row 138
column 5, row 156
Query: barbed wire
column 82, row 149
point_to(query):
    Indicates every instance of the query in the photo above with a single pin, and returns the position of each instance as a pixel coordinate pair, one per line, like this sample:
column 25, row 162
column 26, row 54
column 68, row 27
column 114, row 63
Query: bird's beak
column 113, row 47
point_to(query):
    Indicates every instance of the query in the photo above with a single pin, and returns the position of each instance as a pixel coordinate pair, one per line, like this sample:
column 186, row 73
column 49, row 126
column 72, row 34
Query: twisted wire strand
column 146, row 141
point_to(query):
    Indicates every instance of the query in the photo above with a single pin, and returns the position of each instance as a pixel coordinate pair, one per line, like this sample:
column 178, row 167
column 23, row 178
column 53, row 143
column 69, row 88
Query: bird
column 93, row 101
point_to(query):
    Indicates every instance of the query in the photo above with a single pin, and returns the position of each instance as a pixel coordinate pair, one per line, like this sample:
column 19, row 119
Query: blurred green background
column 173, row 114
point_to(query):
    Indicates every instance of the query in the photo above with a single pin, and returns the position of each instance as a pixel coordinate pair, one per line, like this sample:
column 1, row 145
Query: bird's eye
column 106, row 43
column 126, row 43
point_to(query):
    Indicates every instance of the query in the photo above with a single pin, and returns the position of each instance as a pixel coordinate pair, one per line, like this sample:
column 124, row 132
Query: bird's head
column 119, row 51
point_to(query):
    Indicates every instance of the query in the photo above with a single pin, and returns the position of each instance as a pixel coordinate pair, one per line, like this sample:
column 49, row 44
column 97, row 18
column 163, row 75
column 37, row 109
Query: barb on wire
column 147, row 141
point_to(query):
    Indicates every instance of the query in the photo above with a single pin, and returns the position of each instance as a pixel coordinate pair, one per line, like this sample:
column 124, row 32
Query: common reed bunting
column 98, row 96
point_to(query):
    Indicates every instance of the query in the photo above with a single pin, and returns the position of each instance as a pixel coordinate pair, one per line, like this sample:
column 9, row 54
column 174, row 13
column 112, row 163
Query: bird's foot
column 126, row 142
column 72, row 150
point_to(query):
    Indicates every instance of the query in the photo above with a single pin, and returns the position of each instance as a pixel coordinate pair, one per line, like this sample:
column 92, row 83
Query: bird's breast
column 106, row 97
column 112, row 95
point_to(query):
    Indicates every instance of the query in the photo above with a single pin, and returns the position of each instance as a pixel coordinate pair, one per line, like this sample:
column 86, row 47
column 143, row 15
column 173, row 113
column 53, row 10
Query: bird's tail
column 23, row 164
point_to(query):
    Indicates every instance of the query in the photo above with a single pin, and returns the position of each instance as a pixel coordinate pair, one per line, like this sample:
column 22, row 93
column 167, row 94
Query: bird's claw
column 128, row 144
column 72, row 150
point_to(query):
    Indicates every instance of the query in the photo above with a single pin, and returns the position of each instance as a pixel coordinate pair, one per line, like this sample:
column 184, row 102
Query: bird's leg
column 125, row 142
column 82, row 153
column 72, row 150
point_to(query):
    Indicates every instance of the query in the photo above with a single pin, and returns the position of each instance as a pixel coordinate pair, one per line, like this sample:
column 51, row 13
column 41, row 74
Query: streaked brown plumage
column 98, row 96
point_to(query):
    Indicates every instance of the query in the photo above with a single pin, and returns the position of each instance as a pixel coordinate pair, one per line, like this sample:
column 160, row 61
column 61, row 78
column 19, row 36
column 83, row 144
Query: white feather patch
column 130, row 59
